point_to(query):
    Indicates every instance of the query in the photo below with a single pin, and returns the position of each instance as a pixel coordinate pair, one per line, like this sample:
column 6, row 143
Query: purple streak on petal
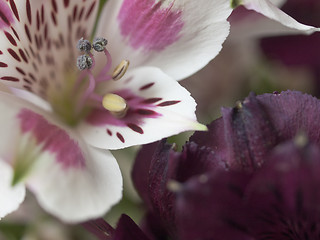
column 137, row 105
column 53, row 138
column 128, row 229
column 6, row 15
column 147, row 24
column 100, row 228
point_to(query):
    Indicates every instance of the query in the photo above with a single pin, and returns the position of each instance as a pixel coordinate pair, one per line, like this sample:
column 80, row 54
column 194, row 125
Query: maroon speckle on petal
column 90, row 10
column 14, row 55
column 23, row 55
column 145, row 87
column 54, row 5
column 66, row 3
column 21, row 71
column 42, row 14
column 109, row 132
column 28, row 7
column 151, row 100
column 168, row 103
column 14, row 9
column 121, row 138
column 27, row 32
column 53, row 17
column 135, row 128
column 75, row 12
column 81, row 14
column 146, row 112
column 1, row 52
column 2, row 64
column 9, row 78
column 15, row 33
column 10, row 38
column 38, row 21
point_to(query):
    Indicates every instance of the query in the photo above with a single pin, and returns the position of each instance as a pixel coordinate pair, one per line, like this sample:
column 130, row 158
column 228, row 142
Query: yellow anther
column 120, row 70
column 115, row 104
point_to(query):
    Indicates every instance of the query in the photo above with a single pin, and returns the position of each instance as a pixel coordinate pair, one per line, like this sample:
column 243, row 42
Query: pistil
column 114, row 103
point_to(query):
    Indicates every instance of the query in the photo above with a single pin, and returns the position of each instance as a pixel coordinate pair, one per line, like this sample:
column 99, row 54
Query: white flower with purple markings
column 95, row 99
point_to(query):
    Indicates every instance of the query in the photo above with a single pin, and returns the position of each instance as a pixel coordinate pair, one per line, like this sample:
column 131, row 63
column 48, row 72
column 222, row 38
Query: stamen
column 84, row 45
column 99, row 44
column 115, row 104
column 84, row 62
column 120, row 70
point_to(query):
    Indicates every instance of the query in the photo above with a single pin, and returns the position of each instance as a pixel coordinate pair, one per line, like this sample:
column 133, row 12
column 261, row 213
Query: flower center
column 82, row 95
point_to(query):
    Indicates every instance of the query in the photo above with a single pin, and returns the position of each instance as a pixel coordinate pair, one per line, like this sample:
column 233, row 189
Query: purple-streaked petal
column 71, row 180
column 153, row 99
column 180, row 37
column 38, row 46
column 208, row 208
column 11, row 196
column 268, row 9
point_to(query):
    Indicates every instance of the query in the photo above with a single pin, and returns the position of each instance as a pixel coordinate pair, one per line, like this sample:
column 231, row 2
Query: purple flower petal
column 127, row 229
column 246, row 133
column 283, row 197
column 242, row 137
column 208, row 208
column 100, row 228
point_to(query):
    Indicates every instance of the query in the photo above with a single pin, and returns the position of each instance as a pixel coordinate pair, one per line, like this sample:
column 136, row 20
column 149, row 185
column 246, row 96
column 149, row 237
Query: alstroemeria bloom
column 52, row 150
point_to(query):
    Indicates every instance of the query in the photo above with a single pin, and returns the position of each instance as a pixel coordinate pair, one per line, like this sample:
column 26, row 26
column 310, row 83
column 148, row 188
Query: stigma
column 111, row 102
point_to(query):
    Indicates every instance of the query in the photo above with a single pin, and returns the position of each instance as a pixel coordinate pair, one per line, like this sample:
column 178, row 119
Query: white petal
column 77, row 194
column 180, row 36
column 268, row 9
column 11, row 197
column 158, row 107
column 70, row 179
column 38, row 47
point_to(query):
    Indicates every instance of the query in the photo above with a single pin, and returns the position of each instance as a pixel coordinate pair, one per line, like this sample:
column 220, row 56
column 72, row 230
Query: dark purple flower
column 279, row 201
column 236, row 146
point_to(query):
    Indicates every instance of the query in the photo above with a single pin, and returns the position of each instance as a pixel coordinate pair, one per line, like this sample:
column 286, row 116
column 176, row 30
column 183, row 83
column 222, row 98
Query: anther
column 115, row 104
column 120, row 70
column 84, row 62
column 99, row 44
column 84, row 45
